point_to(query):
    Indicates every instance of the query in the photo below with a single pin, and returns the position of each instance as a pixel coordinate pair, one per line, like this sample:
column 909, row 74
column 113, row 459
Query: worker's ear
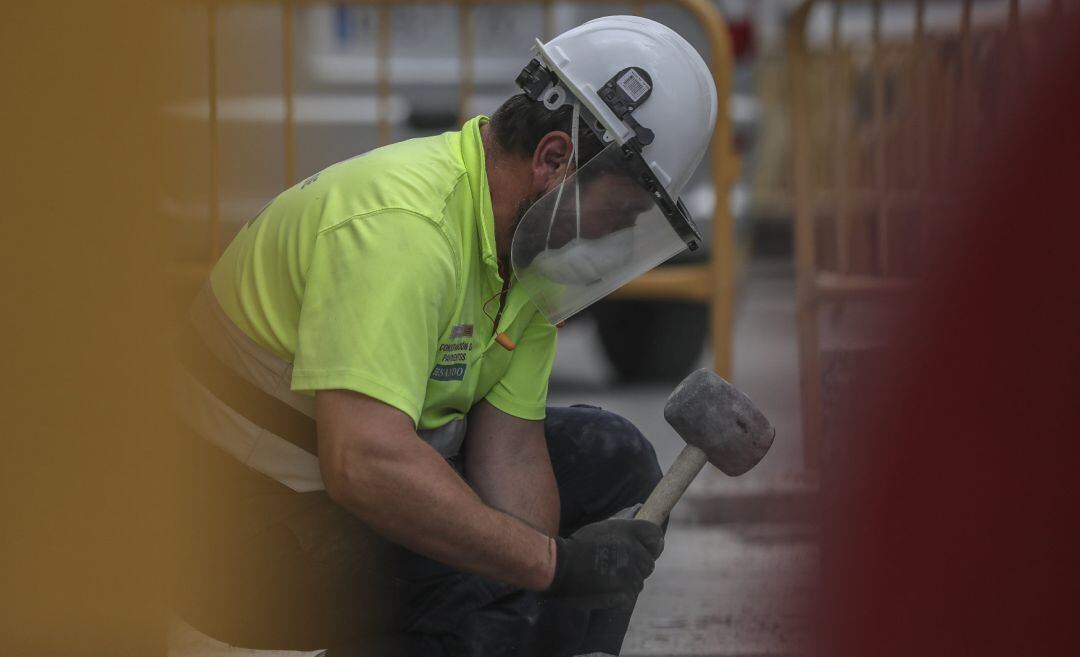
column 549, row 161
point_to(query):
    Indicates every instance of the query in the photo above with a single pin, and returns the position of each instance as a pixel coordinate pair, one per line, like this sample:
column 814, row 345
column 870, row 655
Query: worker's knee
column 629, row 456
column 601, row 455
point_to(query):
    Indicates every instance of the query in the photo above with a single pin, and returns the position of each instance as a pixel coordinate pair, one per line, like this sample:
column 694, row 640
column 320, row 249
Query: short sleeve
column 372, row 308
column 522, row 390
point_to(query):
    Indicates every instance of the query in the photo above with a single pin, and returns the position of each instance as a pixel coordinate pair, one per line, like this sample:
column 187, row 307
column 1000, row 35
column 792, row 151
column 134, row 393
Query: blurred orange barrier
column 711, row 283
column 887, row 99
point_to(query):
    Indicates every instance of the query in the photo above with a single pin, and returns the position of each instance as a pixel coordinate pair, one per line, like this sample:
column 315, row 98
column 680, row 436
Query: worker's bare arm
column 507, row 463
column 374, row 464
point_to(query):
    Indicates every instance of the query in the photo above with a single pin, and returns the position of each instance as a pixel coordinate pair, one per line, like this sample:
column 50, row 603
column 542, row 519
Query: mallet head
column 714, row 416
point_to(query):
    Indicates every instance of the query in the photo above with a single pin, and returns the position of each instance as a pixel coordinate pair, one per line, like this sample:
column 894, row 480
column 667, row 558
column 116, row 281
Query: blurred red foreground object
column 950, row 521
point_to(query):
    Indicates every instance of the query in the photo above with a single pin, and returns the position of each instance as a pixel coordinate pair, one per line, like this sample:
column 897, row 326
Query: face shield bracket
column 674, row 210
column 623, row 93
column 534, row 79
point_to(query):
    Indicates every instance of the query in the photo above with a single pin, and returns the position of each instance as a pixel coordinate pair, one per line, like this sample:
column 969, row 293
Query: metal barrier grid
column 876, row 123
column 711, row 283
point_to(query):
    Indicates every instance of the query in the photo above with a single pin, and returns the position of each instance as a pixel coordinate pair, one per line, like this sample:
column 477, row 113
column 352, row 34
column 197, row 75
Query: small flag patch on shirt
column 461, row 331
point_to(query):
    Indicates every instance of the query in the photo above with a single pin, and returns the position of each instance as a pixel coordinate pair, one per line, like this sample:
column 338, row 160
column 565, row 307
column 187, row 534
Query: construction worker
column 367, row 374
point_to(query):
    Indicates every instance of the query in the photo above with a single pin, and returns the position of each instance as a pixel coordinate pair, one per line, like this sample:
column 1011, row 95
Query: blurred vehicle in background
column 648, row 339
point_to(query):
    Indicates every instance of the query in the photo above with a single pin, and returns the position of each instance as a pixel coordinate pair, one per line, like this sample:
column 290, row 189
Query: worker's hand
column 605, row 564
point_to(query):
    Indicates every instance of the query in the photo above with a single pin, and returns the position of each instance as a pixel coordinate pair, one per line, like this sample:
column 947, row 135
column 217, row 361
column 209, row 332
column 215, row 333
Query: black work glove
column 605, row 564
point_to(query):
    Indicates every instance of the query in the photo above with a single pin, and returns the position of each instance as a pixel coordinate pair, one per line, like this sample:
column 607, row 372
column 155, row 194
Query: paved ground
column 727, row 589
column 733, row 590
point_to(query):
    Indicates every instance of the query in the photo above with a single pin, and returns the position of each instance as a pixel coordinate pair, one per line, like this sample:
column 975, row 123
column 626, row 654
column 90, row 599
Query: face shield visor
column 606, row 223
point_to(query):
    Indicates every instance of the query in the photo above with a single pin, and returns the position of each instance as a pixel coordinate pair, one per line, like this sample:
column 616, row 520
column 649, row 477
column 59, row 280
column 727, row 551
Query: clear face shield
column 606, row 223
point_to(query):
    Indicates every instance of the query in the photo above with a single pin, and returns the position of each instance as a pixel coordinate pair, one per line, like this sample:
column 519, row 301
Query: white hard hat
column 646, row 93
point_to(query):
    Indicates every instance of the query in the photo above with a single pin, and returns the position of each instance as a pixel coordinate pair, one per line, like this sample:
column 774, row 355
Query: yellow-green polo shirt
column 373, row 276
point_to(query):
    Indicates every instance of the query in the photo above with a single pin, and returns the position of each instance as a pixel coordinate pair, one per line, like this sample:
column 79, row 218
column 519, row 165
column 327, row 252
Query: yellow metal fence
column 710, row 283
column 887, row 99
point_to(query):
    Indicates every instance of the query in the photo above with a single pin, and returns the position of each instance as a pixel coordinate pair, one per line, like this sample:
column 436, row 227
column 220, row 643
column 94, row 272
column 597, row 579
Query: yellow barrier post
column 383, row 65
column 806, row 303
column 465, row 48
column 288, row 91
column 214, row 233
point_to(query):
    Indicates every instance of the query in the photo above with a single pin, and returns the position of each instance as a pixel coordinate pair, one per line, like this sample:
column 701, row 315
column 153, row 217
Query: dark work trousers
column 266, row 567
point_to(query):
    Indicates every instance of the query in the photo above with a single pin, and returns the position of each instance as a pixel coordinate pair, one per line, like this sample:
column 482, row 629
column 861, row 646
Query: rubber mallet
column 720, row 426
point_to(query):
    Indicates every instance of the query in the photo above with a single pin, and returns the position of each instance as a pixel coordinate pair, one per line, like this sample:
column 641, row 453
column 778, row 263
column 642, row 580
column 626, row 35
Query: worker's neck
column 510, row 181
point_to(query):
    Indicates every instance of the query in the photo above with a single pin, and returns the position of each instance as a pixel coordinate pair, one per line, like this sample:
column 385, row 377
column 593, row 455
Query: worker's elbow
column 345, row 480
column 337, row 483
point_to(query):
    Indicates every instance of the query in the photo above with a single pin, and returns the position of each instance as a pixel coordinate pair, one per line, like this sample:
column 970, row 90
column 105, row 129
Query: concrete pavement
column 731, row 590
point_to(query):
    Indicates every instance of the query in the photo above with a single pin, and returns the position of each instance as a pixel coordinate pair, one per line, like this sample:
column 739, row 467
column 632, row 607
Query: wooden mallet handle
column 671, row 488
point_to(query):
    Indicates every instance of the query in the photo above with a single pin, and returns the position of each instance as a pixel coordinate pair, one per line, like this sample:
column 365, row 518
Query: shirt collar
column 472, row 154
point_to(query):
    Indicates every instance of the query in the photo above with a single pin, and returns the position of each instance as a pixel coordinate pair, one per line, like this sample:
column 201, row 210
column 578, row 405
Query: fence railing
column 887, row 99
column 710, row 283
